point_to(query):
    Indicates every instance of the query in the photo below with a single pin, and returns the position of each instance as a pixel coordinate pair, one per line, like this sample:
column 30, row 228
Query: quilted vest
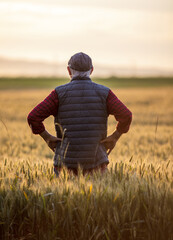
column 82, row 124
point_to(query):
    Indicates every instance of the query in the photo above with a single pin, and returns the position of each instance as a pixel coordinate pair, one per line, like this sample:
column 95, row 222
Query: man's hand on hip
column 50, row 140
column 110, row 141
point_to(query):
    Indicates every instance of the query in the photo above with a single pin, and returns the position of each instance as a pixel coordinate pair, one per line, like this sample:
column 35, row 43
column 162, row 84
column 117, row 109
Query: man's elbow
column 36, row 126
column 124, row 125
column 29, row 119
column 31, row 122
column 128, row 119
column 129, row 116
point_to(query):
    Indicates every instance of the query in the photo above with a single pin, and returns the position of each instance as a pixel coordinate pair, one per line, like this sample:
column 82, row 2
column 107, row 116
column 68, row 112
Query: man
column 81, row 108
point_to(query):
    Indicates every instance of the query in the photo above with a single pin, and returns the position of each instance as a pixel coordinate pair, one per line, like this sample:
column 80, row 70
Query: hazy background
column 123, row 37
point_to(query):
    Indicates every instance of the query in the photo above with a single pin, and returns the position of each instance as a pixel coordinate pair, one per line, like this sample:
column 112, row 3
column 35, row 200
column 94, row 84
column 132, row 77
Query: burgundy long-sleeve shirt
column 49, row 106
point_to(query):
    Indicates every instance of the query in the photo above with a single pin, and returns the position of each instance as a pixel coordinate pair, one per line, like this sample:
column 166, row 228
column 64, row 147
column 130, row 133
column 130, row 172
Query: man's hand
column 50, row 140
column 110, row 141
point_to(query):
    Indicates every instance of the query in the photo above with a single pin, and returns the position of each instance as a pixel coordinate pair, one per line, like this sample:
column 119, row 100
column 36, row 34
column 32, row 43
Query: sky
column 116, row 33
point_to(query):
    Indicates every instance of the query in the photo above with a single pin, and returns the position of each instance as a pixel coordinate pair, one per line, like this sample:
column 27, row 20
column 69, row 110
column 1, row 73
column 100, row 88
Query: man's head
column 80, row 64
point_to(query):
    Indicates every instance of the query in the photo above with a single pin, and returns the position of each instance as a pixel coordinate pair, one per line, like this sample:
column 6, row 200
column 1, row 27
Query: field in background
column 133, row 200
column 113, row 82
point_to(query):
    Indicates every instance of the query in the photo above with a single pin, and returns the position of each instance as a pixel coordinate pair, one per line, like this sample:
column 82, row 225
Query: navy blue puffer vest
column 82, row 113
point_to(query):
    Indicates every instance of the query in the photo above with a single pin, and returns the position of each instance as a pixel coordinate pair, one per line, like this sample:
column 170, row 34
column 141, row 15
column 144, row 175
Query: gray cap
column 80, row 62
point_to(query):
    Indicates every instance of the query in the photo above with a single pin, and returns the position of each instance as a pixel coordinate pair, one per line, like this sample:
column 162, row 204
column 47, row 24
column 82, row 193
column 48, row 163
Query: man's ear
column 69, row 71
column 92, row 70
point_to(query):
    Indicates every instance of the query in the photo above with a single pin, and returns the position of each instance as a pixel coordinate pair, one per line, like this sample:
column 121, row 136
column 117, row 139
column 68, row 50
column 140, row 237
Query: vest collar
column 80, row 78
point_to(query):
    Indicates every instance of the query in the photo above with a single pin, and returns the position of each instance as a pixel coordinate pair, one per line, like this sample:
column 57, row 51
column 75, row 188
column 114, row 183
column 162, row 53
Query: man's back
column 82, row 113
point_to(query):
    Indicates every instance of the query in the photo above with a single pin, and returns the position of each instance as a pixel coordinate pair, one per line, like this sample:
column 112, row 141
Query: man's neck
column 80, row 78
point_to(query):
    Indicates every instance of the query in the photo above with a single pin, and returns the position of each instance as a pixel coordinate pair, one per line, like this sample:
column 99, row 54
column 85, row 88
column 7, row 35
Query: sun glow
column 111, row 33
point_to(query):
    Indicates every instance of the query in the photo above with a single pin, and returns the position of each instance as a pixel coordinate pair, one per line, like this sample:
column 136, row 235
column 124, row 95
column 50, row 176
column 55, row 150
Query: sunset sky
column 113, row 32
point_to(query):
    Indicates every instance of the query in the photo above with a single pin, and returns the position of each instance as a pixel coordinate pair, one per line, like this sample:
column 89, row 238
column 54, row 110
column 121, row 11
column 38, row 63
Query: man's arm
column 111, row 140
column 49, row 106
column 50, row 140
column 124, row 117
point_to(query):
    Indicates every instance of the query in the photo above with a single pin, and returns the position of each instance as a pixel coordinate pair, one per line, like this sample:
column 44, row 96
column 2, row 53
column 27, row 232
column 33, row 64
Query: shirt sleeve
column 49, row 106
column 121, row 113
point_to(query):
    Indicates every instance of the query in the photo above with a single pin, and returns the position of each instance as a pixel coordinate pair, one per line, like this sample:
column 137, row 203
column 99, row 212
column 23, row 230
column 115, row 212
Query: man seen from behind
column 81, row 109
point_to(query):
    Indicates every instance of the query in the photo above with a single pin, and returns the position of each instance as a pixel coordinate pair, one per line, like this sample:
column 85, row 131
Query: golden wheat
column 133, row 200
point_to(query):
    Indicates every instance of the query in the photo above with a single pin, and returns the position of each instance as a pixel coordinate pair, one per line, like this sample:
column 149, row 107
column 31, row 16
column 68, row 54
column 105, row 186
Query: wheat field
column 132, row 200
